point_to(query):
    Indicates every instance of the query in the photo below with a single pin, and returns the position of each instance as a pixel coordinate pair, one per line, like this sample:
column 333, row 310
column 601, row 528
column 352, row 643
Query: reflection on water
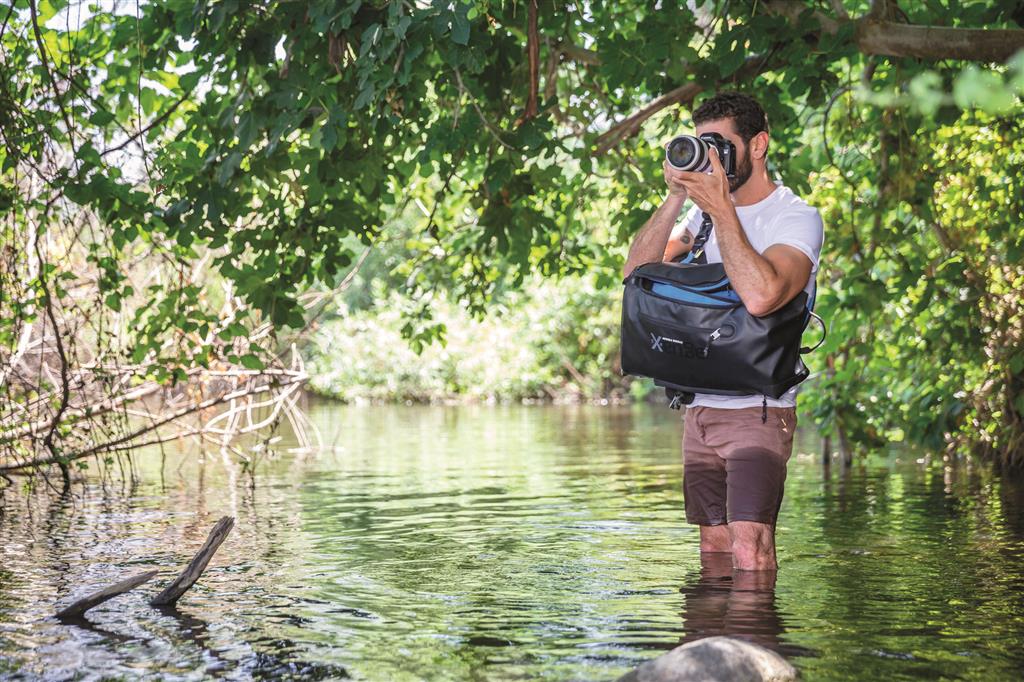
column 720, row 600
column 739, row 604
column 507, row 543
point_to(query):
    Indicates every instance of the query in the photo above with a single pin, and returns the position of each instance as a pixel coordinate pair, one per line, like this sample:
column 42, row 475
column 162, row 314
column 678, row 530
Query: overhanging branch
column 579, row 54
column 629, row 126
column 684, row 94
column 938, row 42
column 874, row 35
column 533, row 55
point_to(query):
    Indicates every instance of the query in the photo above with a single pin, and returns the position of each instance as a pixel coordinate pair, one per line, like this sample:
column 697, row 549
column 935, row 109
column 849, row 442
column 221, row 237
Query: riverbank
column 552, row 342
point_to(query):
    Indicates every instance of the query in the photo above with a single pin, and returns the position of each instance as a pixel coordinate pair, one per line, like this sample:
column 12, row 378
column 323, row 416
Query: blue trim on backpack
column 720, row 284
column 666, row 289
column 688, row 295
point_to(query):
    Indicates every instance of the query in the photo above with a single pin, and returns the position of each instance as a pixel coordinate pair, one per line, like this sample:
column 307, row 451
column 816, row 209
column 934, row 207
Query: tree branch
column 579, row 54
column 79, row 608
column 58, row 98
column 874, row 34
column 172, row 593
column 629, row 126
column 938, row 42
column 872, row 37
column 533, row 55
column 65, row 385
column 152, row 124
column 684, row 94
column 178, row 414
column 491, row 128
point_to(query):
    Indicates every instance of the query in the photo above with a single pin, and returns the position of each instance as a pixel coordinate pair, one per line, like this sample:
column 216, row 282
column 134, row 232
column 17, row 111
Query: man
column 768, row 240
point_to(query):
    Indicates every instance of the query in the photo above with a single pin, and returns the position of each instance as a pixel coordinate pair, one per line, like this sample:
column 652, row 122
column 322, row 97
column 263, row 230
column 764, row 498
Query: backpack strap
column 697, row 254
column 812, row 315
column 824, row 334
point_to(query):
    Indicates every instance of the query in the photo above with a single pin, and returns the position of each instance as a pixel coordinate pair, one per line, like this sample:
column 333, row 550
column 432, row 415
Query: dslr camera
column 691, row 153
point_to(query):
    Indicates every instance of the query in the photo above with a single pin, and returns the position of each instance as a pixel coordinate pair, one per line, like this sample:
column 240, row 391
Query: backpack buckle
column 679, row 398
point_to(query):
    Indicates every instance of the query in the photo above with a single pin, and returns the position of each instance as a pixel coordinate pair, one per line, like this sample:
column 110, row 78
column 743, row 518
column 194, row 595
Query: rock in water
column 714, row 659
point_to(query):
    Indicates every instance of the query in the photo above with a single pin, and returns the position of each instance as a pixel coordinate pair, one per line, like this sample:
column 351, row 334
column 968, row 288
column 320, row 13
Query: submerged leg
column 753, row 546
column 715, row 539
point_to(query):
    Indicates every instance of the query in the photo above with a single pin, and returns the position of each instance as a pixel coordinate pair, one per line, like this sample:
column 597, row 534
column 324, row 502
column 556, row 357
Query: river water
column 499, row 543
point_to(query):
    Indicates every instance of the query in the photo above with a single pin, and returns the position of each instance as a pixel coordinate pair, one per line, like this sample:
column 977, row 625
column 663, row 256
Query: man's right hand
column 673, row 178
column 653, row 243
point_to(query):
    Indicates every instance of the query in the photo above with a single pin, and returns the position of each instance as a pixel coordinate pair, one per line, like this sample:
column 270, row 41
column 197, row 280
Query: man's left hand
column 709, row 191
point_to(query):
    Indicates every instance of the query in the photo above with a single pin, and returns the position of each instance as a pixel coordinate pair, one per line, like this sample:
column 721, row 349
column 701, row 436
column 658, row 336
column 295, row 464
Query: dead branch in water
column 240, row 390
column 172, row 593
column 97, row 598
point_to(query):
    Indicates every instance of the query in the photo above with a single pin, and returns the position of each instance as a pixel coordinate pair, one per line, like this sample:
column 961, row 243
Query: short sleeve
column 692, row 220
column 803, row 230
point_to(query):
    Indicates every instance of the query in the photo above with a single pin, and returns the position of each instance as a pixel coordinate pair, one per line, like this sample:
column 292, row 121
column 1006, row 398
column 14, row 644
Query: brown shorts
column 734, row 466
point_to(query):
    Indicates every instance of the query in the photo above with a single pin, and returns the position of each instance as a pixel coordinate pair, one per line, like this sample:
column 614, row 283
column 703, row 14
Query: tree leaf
column 460, row 25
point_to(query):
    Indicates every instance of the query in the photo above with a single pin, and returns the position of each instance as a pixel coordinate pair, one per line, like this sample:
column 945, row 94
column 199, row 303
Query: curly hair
column 746, row 113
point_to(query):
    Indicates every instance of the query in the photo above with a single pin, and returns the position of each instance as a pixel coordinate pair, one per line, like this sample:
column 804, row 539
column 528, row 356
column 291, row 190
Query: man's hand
column 673, row 179
column 651, row 244
column 709, row 191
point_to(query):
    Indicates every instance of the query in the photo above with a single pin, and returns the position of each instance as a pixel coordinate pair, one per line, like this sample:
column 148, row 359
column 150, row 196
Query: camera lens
column 687, row 153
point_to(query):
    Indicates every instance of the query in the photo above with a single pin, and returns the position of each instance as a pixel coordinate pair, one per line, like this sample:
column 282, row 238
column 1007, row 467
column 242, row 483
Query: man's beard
column 744, row 169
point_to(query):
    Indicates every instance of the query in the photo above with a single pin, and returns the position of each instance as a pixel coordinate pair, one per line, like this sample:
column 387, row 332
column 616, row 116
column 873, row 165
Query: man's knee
column 752, row 534
column 753, row 544
column 715, row 539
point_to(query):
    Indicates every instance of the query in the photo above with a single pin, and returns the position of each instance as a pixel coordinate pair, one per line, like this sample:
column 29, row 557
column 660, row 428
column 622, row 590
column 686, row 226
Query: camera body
column 692, row 153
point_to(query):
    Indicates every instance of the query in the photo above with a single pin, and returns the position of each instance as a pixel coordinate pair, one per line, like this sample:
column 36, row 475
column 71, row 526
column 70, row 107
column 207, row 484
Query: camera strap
column 696, row 254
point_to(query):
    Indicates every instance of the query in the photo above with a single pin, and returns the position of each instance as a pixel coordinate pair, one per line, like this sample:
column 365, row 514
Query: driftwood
column 172, row 593
column 195, row 568
column 97, row 598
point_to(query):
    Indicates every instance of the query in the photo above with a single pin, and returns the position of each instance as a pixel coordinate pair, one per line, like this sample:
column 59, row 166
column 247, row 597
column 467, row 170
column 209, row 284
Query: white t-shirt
column 780, row 218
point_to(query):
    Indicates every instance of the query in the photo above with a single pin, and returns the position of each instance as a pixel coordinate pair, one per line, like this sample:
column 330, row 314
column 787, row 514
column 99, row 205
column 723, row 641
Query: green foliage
column 279, row 139
column 551, row 340
column 923, row 282
column 992, row 90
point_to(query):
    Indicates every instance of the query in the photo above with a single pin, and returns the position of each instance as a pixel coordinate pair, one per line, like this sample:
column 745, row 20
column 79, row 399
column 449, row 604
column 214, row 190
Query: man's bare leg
column 753, row 545
column 715, row 539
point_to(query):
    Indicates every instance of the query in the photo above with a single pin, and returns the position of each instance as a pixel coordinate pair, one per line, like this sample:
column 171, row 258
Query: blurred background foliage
column 461, row 180
column 547, row 341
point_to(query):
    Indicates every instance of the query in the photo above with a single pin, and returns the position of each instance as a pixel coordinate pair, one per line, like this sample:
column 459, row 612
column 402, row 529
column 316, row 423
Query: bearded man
column 735, row 448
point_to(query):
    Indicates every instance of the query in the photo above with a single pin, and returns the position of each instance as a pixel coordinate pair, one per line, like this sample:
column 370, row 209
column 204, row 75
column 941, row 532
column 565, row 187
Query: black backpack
column 685, row 327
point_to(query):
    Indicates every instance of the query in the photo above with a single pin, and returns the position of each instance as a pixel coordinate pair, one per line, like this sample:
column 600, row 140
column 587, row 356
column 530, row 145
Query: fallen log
column 97, row 598
column 195, row 568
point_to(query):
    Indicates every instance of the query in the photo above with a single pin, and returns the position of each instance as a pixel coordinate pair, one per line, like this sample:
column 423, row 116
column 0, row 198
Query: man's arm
column 764, row 282
column 680, row 242
column 652, row 241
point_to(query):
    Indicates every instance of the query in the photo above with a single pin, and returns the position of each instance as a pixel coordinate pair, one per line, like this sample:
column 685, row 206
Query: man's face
column 744, row 166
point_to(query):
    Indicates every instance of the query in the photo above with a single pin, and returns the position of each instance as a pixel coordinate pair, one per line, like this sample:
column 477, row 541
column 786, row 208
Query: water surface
column 500, row 543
